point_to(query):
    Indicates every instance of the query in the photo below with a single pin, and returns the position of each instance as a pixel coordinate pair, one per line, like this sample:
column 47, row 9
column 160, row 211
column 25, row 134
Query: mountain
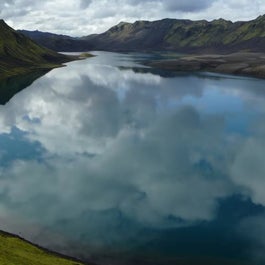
column 217, row 36
column 57, row 42
column 184, row 36
column 19, row 54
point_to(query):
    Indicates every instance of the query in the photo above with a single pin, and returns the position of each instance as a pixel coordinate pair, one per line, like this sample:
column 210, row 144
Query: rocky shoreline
column 241, row 63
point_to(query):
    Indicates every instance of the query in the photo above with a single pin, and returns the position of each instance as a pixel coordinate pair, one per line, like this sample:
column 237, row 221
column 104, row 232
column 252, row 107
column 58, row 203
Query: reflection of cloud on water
column 248, row 172
column 153, row 177
column 99, row 101
column 147, row 174
column 253, row 229
column 249, row 164
column 122, row 153
column 148, row 152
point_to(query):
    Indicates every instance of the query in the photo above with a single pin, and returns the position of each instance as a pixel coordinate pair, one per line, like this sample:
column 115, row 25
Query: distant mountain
column 56, row 42
column 219, row 36
column 19, row 54
column 184, row 36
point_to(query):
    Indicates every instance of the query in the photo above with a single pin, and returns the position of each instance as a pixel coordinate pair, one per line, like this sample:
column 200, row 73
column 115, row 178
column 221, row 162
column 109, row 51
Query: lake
column 116, row 163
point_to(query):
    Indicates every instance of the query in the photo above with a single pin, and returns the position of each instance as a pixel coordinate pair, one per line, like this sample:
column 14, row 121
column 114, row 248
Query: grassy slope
column 15, row 251
column 222, row 32
column 19, row 54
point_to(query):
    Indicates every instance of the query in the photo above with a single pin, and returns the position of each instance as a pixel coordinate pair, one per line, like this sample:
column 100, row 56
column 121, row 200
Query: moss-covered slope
column 15, row 251
column 19, row 54
column 183, row 36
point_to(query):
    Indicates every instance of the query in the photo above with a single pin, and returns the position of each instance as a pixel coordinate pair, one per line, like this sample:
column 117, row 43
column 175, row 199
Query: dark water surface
column 113, row 162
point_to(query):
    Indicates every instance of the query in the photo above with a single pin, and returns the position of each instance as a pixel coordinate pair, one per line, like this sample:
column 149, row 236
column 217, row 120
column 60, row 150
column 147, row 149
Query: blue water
column 116, row 163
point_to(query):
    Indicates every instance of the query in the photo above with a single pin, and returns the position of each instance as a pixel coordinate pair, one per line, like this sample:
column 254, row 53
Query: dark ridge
column 20, row 55
column 180, row 35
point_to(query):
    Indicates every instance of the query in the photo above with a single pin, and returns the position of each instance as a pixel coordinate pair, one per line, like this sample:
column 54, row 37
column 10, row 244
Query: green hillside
column 19, row 54
column 15, row 251
column 218, row 32
column 217, row 36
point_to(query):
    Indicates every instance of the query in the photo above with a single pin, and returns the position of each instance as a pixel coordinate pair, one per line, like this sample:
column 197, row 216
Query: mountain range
column 57, row 42
column 217, row 36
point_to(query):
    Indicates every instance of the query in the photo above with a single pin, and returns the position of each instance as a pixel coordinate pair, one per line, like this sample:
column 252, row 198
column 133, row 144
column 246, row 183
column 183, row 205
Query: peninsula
column 241, row 63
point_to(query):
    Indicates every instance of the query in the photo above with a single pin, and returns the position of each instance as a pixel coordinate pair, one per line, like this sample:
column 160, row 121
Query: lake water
column 116, row 163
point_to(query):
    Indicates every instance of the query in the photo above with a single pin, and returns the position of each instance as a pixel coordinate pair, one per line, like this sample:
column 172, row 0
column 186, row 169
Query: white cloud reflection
column 121, row 141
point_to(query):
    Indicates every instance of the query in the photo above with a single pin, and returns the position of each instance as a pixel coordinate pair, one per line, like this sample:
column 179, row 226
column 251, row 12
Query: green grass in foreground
column 15, row 251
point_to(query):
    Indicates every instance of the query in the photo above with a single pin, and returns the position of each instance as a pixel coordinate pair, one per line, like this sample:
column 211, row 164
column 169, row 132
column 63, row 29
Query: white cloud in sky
column 84, row 17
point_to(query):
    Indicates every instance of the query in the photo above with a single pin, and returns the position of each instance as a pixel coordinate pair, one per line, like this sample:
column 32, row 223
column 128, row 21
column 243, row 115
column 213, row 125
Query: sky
column 84, row 17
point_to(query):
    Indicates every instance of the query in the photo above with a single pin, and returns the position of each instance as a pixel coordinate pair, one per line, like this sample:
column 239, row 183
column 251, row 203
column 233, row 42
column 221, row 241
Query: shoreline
column 9, row 70
column 241, row 63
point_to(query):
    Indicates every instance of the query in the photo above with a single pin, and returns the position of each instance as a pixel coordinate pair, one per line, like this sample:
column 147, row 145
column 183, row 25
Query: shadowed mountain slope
column 57, row 42
column 219, row 36
column 19, row 54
